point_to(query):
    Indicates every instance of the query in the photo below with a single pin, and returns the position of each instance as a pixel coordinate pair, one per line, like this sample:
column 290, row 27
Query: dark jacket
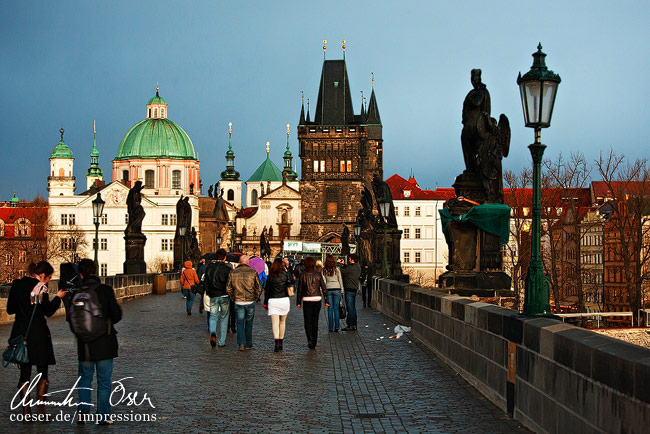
column 104, row 347
column 351, row 274
column 244, row 284
column 216, row 279
column 276, row 286
column 311, row 284
column 39, row 340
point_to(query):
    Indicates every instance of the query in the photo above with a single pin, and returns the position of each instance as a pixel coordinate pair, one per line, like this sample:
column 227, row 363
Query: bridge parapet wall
column 551, row 376
column 126, row 287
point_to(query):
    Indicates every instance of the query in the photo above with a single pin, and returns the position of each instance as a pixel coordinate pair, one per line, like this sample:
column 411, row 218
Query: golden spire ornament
column 324, row 47
column 268, row 148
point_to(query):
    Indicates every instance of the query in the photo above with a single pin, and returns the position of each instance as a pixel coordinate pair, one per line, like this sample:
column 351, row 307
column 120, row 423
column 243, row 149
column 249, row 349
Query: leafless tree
column 517, row 251
column 65, row 243
column 629, row 195
column 564, row 179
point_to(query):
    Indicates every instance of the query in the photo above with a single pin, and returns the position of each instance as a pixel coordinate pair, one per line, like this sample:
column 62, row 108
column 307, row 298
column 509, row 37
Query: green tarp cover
column 493, row 218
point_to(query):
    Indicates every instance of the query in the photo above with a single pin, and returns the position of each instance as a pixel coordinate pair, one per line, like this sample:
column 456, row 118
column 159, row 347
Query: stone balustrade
column 551, row 376
column 126, row 287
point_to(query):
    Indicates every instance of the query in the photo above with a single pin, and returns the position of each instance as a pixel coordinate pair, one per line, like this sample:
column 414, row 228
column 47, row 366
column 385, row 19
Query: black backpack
column 87, row 319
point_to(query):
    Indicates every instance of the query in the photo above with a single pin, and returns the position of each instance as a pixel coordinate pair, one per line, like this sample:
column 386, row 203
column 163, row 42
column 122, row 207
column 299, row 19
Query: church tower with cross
column 340, row 151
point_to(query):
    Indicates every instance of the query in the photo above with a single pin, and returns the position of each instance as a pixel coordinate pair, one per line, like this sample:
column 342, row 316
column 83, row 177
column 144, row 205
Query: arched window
column 155, row 113
column 61, row 172
column 162, row 112
column 23, row 228
column 149, row 176
column 253, row 197
column 125, row 175
column 231, row 195
column 176, row 179
column 149, row 112
column 285, row 216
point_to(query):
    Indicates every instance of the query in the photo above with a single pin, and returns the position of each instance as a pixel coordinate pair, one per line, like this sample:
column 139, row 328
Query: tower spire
column 229, row 136
column 288, row 129
column 343, row 42
column 302, row 108
column 324, row 48
column 157, row 88
column 268, row 149
column 308, row 110
column 288, row 174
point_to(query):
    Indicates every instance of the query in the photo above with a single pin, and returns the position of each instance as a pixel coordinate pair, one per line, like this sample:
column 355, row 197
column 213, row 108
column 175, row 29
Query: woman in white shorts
column 276, row 300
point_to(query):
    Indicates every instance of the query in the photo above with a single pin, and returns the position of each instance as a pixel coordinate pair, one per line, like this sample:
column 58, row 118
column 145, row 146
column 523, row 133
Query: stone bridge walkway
column 353, row 382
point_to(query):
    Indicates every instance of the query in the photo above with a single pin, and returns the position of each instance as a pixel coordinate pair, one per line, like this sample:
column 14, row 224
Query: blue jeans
column 104, row 372
column 351, row 306
column 245, row 315
column 334, row 298
column 219, row 310
column 190, row 298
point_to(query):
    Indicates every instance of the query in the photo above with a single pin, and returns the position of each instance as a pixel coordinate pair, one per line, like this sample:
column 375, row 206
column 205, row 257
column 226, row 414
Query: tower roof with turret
column 61, row 150
column 334, row 106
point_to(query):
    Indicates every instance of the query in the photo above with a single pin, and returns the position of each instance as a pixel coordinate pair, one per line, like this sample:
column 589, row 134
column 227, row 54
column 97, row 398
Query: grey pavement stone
column 196, row 388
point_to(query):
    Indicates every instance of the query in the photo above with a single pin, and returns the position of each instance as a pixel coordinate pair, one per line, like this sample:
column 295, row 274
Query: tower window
column 176, row 179
column 349, row 164
column 231, row 195
column 149, row 176
column 125, row 175
column 162, row 112
column 254, row 197
column 332, row 201
column 322, row 165
column 155, row 113
column 149, row 112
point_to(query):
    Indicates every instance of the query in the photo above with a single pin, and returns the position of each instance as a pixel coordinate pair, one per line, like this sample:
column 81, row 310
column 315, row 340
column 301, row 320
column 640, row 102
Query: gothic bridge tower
column 339, row 153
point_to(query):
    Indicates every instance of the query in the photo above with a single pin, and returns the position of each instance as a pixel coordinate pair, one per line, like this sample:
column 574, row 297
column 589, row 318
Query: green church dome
column 156, row 138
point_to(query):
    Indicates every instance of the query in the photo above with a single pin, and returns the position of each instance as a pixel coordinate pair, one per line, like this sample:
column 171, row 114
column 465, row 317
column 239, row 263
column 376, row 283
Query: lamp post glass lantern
column 219, row 240
column 98, row 211
column 181, row 231
column 384, row 209
column 538, row 88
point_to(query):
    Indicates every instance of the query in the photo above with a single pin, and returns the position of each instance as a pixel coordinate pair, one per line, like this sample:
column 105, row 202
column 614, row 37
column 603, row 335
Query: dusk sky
column 67, row 63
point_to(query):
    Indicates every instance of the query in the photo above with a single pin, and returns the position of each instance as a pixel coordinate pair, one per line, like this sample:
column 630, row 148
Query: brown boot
column 22, row 388
column 41, row 390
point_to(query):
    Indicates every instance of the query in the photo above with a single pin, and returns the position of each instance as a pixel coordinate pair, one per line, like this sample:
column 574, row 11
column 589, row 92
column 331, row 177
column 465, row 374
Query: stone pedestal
column 475, row 259
column 134, row 263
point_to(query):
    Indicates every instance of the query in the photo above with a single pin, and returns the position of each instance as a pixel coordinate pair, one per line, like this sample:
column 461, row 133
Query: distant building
column 155, row 151
column 339, row 152
column 22, row 236
column 424, row 251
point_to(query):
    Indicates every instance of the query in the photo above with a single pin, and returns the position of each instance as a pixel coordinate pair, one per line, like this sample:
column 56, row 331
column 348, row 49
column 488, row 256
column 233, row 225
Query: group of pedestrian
column 97, row 346
column 226, row 288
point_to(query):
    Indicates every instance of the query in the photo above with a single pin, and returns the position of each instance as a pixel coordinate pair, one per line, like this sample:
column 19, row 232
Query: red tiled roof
column 398, row 185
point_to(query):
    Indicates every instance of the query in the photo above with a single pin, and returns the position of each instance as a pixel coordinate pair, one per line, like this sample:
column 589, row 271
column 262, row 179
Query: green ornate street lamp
column 384, row 209
column 538, row 88
column 98, row 210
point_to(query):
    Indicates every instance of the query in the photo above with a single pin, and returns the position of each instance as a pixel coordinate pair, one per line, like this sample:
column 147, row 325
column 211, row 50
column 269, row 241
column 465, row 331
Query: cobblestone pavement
column 353, row 382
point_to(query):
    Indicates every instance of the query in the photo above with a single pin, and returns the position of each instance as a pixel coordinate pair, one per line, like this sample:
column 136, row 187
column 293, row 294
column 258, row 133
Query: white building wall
column 430, row 247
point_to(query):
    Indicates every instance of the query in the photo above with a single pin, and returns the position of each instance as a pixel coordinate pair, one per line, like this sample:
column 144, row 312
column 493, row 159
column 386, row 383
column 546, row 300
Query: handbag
column 194, row 288
column 16, row 351
column 342, row 310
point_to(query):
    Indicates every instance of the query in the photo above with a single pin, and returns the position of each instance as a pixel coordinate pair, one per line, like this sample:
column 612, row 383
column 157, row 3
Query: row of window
column 167, row 219
column 103, row 244
column 71, row 219
column 22, row 258
column 22, row 228
column 592, row 240
column 596, row 258
column 417, row 212
column 155, row 112
column 417, row 257
column 410, row 232
column 344, row 166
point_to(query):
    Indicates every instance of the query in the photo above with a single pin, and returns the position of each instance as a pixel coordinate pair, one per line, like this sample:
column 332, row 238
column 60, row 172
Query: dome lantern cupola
column 288, row 158
column 157, row 107
column 94, row 172
column 230, row 174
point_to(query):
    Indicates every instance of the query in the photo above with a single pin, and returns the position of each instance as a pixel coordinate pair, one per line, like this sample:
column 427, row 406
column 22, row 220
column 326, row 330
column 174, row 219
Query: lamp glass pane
column 522, row 92
column 384, row 207
column 533, row 93
column 550, row 89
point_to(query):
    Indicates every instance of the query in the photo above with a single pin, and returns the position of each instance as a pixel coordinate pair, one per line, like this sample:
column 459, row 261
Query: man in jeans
column 99, row 354
column 244, row 289
column 214, row 282
column 350, row 275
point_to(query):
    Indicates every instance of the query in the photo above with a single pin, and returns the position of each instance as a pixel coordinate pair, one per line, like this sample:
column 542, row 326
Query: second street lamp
column 538, row 88
column 98, row 211
column 181, row 231
column 384, row 209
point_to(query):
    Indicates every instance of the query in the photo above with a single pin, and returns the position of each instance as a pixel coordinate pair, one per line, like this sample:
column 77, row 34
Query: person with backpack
column 214, row 282
column 189, row 285
column 30, row 302
column 93, row 313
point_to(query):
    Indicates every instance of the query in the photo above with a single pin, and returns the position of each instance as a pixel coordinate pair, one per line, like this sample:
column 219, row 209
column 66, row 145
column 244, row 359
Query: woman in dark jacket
column 26, row 296
column 311, row 290
column 276, row 300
